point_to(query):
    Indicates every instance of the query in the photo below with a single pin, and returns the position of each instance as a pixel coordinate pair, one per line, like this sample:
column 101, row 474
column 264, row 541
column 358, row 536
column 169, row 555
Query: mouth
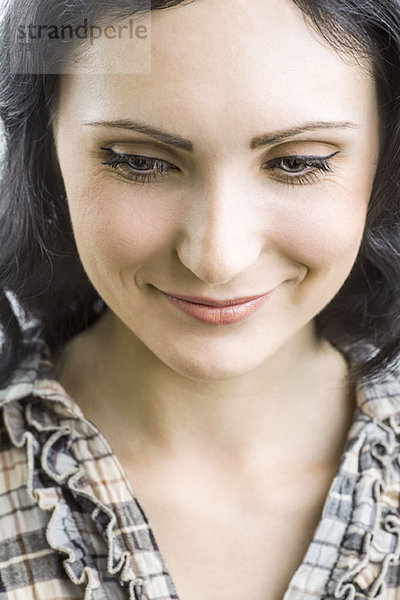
column 217, row 312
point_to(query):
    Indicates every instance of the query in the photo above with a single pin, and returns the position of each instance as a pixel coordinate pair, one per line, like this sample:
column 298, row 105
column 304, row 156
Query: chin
column 205, row 367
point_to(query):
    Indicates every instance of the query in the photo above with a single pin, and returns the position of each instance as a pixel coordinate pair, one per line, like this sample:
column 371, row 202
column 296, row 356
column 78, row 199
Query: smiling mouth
column 217, row 312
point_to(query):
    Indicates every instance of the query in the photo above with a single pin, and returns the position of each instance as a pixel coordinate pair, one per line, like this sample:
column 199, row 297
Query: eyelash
column 160, row 168
column 126, row 159
column 320, row 163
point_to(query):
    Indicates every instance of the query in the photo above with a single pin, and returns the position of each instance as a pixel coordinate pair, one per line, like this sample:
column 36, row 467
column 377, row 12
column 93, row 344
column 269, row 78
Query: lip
column 212, row 301
column 217, row 312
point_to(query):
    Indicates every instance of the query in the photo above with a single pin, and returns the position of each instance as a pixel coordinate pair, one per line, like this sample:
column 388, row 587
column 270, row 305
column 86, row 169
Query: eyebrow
column 283, row 134
column 266, row 139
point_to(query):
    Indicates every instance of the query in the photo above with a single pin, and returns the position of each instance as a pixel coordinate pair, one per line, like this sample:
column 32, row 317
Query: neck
column 272, row 410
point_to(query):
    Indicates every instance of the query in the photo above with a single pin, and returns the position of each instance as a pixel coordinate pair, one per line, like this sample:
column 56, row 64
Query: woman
column 207, row 259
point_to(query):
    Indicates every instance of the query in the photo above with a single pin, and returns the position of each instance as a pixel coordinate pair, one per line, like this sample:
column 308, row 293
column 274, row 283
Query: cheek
column 324, row 236
column 115, row 232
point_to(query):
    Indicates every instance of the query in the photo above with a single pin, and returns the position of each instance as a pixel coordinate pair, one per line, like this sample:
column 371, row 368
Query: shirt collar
column 35, row 374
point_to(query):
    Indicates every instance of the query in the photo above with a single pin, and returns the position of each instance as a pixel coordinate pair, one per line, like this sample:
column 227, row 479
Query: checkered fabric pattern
column 71, row 526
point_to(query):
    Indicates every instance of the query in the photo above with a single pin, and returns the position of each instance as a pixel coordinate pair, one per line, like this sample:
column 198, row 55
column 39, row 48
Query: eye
column 299, row 169
column 288, row 169
column 138, row 168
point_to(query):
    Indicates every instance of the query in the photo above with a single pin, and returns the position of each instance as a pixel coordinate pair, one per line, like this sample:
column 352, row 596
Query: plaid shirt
column 71, row 526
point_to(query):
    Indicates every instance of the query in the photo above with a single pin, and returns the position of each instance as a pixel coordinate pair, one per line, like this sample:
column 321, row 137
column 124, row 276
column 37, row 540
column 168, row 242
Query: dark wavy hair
column 39, row 262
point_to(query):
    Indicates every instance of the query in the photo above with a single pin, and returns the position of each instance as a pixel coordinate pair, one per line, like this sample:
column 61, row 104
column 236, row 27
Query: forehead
column 219, row 62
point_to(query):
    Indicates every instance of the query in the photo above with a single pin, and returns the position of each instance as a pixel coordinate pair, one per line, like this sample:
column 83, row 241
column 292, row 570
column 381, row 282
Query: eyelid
column 317, row 165
column 292, row 145
column 119, row 159
column 144, row 150
column 160, row 154
column 306, row 157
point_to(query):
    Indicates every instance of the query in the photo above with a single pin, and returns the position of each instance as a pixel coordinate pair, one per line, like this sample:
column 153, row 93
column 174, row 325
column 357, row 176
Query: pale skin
column 231, row 422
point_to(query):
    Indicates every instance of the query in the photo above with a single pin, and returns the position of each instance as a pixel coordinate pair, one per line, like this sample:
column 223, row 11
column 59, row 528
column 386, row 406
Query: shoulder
column 377, row 396
column 19, row 382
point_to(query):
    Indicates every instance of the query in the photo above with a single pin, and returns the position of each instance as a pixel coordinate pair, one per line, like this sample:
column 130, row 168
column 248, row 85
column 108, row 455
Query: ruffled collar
column 40, row 416
column 356, row 541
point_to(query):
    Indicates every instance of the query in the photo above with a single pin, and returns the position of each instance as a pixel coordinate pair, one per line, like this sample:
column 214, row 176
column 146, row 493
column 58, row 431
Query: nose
column 220, row 238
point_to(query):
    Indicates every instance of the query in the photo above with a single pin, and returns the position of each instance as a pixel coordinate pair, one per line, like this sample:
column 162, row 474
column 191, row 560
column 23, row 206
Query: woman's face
column 236, row 210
